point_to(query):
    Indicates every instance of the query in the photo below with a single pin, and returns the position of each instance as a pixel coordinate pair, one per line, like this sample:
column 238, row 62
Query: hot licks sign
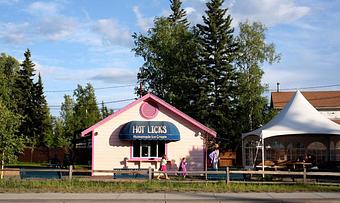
column 149, row 130
column 158, row 129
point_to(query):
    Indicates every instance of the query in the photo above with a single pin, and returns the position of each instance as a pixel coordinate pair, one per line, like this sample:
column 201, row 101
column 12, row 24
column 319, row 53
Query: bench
column 131, row 175
column 232, row 176
column 40, row 174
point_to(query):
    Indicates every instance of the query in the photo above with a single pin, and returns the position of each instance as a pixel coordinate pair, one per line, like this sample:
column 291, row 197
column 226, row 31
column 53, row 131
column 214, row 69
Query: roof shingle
column 319, row 99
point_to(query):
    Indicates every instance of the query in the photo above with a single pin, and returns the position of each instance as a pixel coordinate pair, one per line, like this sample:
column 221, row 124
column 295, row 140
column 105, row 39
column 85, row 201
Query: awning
column 149, row 130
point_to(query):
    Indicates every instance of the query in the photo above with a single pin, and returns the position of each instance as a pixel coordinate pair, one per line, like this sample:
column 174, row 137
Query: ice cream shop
column 138, row 135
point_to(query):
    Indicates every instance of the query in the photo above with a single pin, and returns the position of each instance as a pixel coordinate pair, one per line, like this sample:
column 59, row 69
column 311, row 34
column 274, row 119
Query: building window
column 148, row 149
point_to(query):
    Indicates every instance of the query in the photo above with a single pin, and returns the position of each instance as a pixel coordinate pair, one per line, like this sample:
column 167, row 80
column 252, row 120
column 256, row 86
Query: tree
column 169, row 50
column 104, row 112
column 178, row 14
column 9, row 68
column 253, row 52
column 24, row 94
column 42, row 119
column 68, row 118
column 59, row 138
column 10, row 143
column 85, row 108
column 217, row 92
column 24, row 97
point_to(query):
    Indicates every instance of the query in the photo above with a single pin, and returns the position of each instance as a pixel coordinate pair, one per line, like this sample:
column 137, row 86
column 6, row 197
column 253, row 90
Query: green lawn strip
column 82, row 186
column 40, row 165
column 27, row 164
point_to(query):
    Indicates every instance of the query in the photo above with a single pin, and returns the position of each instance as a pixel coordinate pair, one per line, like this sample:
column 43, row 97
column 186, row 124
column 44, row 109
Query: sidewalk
column 170, row 197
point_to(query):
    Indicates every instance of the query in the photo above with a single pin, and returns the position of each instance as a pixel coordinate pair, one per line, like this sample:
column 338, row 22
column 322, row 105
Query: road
column 170, row 197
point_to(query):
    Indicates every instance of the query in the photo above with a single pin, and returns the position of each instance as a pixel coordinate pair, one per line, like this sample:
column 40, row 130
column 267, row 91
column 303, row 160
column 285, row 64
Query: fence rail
column 151, row 172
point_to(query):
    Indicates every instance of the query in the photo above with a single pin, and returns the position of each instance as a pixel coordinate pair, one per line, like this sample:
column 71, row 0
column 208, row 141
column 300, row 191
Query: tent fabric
column 297, row 117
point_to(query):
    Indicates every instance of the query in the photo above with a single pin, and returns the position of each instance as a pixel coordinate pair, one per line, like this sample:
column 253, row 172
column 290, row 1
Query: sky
column 82, row 41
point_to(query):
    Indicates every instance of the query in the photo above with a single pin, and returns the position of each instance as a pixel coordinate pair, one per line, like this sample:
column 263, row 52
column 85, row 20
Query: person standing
column 214, row 157
column 183, row 167
column 163, row 167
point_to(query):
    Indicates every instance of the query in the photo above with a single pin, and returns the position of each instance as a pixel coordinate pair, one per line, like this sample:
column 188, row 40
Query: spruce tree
column 216, row 96
column 41, row 116
column 104, row 112
column 24, row 88
column 178, row 14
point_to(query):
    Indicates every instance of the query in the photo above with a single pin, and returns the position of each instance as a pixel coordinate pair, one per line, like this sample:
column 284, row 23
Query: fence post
column 70, row 173
column 150, row 173
column 304, row 175
column 228, row 175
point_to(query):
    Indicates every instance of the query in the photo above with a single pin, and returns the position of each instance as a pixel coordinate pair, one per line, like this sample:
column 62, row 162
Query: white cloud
column 12, row 33
column 115, row 75
column 113, row 33
column 45, row 70
column 269, row 12
column 43, row 8
column 50, row 23
column 288, row 77
column 143, row 22
column 57, row 27
column 8, row 2
column 111, row 75
column 189, row 10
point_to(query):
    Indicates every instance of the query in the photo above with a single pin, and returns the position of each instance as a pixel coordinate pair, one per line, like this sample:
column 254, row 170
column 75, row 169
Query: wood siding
column 110, row 152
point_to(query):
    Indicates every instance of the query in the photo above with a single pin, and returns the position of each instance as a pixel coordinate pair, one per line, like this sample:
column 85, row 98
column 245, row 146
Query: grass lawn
column 27, row 164
column 40, row 165
column 79, row 186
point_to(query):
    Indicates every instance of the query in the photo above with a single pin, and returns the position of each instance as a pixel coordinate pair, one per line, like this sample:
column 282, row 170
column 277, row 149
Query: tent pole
column 262, row 140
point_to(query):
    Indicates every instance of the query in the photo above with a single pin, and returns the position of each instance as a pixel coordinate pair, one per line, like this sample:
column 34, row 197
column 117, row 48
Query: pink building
column 138, row 135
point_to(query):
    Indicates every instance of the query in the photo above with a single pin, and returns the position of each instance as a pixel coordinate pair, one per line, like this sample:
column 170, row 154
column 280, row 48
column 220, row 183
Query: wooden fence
column 151, row 172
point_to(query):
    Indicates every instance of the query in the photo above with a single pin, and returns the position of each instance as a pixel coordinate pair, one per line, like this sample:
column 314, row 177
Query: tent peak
column 297, row 117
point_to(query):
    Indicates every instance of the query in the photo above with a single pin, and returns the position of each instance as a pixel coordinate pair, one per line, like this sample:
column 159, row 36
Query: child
column 183, row 167
column 163, row 168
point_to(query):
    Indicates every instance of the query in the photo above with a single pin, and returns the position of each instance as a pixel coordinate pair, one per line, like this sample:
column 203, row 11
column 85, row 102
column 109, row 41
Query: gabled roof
column 297, row 117
column 319, row 99
column 151, row 97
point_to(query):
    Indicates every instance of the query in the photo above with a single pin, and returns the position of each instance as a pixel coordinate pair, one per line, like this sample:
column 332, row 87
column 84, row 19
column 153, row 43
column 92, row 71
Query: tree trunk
column 32, row 151
column 2, row 165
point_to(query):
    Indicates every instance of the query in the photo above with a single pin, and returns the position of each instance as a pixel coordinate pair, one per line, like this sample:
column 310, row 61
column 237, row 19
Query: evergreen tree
column 253, row 52
column 24, row 97
column 41, row 114
column 178, row 14
column 104, row 112
column 217, row 92
column 24, row 93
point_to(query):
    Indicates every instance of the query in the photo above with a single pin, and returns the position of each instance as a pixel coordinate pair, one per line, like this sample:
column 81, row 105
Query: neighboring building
column 138, row 135
column 326, row 102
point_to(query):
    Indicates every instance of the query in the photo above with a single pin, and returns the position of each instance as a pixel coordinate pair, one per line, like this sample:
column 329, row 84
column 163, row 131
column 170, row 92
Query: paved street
column 170, row 197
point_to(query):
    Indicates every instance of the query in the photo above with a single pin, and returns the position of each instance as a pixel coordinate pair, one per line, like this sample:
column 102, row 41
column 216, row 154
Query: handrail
column 152, row 172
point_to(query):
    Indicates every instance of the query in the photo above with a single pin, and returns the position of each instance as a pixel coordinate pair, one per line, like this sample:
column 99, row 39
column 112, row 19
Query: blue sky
column 75, row 42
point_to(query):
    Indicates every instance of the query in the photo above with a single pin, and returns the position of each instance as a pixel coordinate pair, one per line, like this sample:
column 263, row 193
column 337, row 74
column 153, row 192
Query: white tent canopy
column 297, row 117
